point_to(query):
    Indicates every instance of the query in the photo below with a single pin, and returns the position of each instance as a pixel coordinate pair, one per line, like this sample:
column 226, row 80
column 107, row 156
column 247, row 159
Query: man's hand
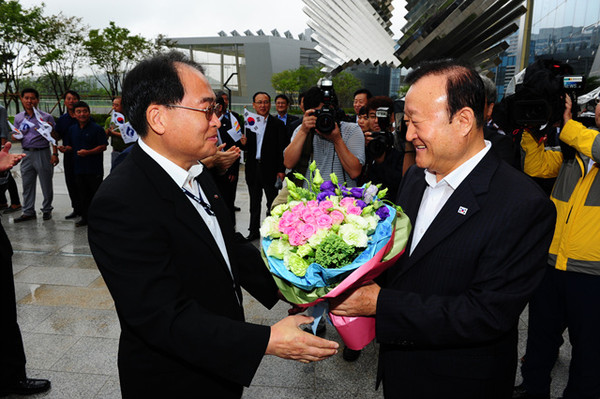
column 567, row 115
column 8, row 160
column 360, row 302
column 288, row 341
column 309, row 121
column 224, row 159
column 83, row 153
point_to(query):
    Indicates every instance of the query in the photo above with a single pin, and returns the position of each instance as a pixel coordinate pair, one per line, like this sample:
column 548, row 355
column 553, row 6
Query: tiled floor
column 71, row 330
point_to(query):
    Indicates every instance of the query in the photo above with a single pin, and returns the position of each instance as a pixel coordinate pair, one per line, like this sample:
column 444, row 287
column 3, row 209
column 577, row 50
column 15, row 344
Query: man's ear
column 156, row 118
column 465, row 119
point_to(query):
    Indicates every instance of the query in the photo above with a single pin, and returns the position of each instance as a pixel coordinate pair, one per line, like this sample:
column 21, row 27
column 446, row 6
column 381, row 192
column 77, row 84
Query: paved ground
column 71, row 330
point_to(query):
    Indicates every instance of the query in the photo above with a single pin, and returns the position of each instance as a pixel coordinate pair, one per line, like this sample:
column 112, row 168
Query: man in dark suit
column 13, row 376
column 447, row 312
column 282, row 105
column 264, row 165
column 159, row 232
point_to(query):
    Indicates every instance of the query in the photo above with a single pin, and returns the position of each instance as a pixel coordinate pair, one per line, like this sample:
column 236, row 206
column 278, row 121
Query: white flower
column 353, row 236
column 279, row 249
column 269, row 227
column 357, row 221
column 372, row 221
column 370, row 193
column 316, row 238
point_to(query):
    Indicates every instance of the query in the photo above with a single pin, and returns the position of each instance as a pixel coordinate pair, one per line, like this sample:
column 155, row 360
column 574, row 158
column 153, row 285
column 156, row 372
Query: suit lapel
column 462, row 205
column 185, row 212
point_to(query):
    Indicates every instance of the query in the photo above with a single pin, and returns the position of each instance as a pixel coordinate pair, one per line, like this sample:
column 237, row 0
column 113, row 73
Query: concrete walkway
column 71, row 330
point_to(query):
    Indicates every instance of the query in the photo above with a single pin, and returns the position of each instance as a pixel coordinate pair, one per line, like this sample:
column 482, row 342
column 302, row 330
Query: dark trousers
column 13, row 191
column 257, row 183
column 87, row 185
column 564, row 300
column 71, row 182
column 12, row 354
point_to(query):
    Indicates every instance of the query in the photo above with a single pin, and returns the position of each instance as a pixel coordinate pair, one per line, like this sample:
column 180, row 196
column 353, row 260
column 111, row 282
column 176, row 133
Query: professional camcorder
column 539, row 101
column 327, row 115
column 383, row 139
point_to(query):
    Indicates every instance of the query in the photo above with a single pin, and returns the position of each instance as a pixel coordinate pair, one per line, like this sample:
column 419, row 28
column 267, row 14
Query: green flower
column 305, row 251
column 279, row 210
column 354, row 236
column 296, row 265
column 278, row 249
column 270, row 227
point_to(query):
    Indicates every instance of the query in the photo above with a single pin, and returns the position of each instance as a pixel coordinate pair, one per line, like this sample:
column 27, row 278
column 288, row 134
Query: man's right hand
column 567, row 115
column 309, row 121
column 288, row 341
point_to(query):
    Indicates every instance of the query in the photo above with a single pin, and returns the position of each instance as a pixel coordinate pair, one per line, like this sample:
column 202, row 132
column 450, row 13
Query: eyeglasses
column 208, row 111
column 262, row 102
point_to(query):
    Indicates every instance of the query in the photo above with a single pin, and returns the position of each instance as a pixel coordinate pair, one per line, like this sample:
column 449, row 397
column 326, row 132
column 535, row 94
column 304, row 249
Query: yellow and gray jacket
column 576, row 194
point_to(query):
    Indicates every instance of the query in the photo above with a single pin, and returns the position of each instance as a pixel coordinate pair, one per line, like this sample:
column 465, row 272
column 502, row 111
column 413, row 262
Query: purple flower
column 357, row 192
column 346, row 192
column 328, row 186
column 361, row 204
column 383, row 212
column 322, row 196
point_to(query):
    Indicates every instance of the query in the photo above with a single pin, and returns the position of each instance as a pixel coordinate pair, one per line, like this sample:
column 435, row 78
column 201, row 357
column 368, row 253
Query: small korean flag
column 462, row 210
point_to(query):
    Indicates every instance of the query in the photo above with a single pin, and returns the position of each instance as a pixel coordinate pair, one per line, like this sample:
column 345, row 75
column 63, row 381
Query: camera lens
column 325, row 123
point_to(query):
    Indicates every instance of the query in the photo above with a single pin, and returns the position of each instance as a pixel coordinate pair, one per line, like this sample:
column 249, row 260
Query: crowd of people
column 486, row 239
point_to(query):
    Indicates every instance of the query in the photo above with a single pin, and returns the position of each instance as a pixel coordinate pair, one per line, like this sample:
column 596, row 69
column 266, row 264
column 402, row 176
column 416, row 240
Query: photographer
column 340, row 150
column 569, row 295
column 384, row 162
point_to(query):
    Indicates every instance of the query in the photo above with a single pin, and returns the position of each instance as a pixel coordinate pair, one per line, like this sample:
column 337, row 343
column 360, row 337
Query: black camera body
column 383, row 139
column 327, row 115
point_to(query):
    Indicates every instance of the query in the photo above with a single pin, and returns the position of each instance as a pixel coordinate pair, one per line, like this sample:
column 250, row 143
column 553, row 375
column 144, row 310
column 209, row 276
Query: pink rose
column 308, row 230
column 354, row 210
column 346, row 202
column 298, row 208
column 312, row 204
column 296, row 239
column 325, row 205
column 325, row 221
column 337, row 217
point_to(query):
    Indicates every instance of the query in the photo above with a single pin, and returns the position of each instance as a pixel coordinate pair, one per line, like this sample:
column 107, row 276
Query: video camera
column 383, row 139
column 539, row 101
column 327, row 116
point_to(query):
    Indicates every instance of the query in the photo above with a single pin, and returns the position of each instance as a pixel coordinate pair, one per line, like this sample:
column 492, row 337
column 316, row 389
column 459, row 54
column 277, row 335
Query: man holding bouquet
column 447, row 312
column 160, row 234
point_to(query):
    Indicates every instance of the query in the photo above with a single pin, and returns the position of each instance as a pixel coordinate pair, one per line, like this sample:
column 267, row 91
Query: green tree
column 114, row 51
column 285, row 82
column 308, row 77
column 345, row 84
column 18, row 28
column 60, row 52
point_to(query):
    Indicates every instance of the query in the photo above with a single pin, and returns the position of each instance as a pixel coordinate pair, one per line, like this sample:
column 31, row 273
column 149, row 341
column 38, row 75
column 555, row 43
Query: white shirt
column 437, row 193
column 259, row 138
column 185, row 179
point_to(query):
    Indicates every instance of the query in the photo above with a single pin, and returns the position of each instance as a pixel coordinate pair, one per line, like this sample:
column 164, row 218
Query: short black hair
column 153, row 81
column 73, row 93
column 363, row 110
column 464, row 87
column 490, row 89
column 30, row 90
column 260, row 92
column 81, row 104
column 380, row 101
column 363, row 91
column 313, row 97
column 286, row 98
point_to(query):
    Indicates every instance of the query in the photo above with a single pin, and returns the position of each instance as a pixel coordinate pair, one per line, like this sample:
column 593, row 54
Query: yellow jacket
column 576, row 195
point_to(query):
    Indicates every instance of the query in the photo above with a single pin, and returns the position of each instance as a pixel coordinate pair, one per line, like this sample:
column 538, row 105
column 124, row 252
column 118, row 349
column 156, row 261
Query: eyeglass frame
column 208, row 112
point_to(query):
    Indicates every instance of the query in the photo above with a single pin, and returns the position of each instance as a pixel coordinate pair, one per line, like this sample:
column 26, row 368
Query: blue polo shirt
column 88, row 138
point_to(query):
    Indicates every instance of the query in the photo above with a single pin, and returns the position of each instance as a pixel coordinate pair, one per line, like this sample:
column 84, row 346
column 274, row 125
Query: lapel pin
column 216, row 196
column 462, row 210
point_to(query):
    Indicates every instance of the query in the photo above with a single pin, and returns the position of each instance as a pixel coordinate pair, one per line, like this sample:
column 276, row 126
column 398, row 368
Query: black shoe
column 27, row 386
column 253, row 236
column 350, row 355
column 520, row 392
column 72, row 215
column 12, row 208
column 81, row 222
column 24, row 218
column 237, row 208
column 47, row 215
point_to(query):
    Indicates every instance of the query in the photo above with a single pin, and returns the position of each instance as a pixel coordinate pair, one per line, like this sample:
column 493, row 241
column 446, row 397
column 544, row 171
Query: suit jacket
column 271, row 155
column 183, row 330
column 447, row 315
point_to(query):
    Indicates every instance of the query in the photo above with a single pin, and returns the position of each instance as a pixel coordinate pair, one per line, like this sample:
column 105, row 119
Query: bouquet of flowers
column 330, row 238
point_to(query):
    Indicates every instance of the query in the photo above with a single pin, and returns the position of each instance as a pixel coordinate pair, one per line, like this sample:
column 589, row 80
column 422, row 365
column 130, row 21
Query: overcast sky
column 188, row 18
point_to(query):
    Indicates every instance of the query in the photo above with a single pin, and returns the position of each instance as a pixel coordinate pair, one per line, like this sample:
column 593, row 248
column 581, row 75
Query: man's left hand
column 54, row 160
column 8, row 160
column 360, row 302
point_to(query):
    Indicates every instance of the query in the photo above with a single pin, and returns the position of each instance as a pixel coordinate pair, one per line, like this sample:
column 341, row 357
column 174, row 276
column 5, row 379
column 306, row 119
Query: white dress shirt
column 437, row 193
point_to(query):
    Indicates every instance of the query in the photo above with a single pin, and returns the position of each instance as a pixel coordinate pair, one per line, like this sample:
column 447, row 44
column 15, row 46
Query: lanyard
column 199, row 200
